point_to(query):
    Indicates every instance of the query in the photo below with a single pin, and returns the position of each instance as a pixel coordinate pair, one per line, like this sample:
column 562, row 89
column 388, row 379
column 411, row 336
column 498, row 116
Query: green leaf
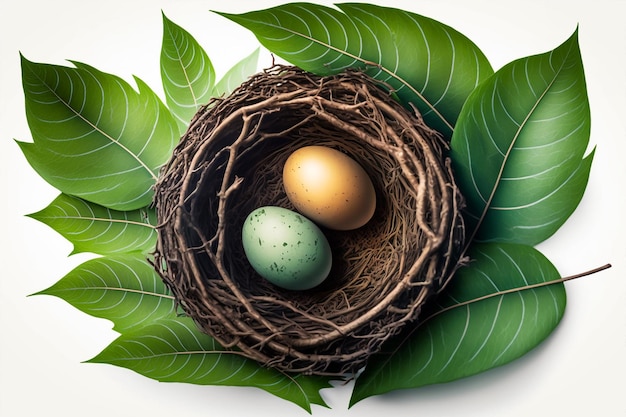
column 187, row 73
column 123, row 288
column 466, row 334
column 237, row 74
column 97, row 229
column 158, row 343
column 518, row 147
column 94, row 136
column 173, row 350
column 426, row 62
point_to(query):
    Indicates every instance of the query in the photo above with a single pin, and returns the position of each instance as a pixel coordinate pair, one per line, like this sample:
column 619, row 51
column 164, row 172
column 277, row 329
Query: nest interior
column 230, row 162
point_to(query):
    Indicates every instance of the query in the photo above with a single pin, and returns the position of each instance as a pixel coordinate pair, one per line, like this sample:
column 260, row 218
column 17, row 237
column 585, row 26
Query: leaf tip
column 23, row 60
column 21, row 143
column 591, row 154
column 75, row 251
column 34, row 215
column 95, row 359
column 230, row 16
column 47, row 291
column 166, row 20
column 573, row 38
column 355, row 398
column 29, row 150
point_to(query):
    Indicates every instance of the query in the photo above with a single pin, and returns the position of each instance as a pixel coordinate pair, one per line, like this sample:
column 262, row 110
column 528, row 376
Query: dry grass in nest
column 230, row 162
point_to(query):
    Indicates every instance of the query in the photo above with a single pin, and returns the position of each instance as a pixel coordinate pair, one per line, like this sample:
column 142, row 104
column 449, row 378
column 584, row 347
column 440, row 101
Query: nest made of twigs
column 230, row 162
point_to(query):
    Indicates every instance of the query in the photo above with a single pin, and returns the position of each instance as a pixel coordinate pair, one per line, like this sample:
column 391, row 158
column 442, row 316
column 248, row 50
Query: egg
column 329, row 187
column 286, row 248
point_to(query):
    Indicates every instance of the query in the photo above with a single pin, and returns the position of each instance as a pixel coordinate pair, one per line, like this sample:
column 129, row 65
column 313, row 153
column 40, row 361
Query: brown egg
column 329, row 187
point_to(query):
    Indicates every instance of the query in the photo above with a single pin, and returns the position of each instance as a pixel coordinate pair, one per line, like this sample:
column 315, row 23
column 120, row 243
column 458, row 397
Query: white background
column 579, row 370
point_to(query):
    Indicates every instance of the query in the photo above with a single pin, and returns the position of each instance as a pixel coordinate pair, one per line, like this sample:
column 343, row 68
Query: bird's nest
column 230, row 162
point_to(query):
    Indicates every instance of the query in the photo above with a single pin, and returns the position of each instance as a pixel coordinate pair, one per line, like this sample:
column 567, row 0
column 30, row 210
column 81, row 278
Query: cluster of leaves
column 518, row 139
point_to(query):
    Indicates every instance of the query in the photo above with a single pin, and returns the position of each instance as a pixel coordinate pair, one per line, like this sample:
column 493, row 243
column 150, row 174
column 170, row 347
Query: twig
column 514, row 290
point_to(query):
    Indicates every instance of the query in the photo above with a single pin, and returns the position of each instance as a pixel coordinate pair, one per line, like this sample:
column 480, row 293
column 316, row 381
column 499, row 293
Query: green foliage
column 188, row 76
column 94, row 136
column 124, row 289
column 156, row 341
column 187, row 73
column 101, row 143
column 237, row 75
column 519, row 145
column 100, row 230
column 517, row 150
column 173, row 350
column 465, row 334
column 427, row 63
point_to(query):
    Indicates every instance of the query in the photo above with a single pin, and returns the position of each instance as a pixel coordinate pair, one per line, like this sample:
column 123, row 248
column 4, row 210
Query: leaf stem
column 516, row 289
column 488, row 296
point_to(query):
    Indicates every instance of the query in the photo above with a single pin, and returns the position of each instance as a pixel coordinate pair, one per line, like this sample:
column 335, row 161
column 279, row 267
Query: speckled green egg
column 286, row 248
